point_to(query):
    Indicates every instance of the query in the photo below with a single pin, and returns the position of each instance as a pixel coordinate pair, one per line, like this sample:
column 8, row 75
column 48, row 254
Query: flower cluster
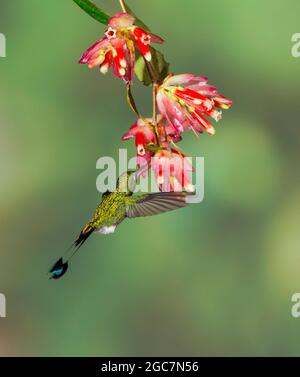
column 185, row 102
column 117, row 47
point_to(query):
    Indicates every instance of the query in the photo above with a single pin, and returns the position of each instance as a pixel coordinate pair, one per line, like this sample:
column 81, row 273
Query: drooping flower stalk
column 122, row 4
column 155, row 86
column 154, row 112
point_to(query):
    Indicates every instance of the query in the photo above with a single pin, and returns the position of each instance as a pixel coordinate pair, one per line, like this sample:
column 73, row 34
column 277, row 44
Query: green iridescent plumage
column 111, row 210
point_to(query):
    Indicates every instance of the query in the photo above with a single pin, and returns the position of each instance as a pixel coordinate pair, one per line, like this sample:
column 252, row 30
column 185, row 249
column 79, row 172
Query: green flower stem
column 153, row 76
column 122, row 4
column 154, row 102
column 154, row 112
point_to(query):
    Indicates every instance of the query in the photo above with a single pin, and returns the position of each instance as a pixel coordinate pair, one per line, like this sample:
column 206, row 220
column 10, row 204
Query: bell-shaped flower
column 145, row 136
column 187, row 100
column 117, row 47
column 143, row 133
column 172, row 171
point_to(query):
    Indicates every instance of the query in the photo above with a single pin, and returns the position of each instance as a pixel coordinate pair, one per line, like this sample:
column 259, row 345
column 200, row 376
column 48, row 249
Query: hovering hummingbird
column 115, row 207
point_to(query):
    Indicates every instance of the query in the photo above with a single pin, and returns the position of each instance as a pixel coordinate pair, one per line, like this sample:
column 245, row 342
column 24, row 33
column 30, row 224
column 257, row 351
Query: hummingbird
column 115, row 207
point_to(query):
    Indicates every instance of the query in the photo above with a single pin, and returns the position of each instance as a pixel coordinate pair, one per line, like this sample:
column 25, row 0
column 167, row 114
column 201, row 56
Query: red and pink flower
column 117, row 47
column 186, row 100
column 171, row 168
column 172, row 171
column 143, row 133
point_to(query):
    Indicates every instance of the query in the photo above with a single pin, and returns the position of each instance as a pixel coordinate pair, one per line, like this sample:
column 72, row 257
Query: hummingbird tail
column 84, row 235
column 59, row 269
column 61, row 266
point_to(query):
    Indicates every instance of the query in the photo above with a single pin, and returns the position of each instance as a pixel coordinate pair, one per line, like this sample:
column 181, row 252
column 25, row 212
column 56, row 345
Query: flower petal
column 204, row 123
column 101, row 44
column 222, row 102
column 185, row 79
column 121, row 20
column 106, row 63
column 143, row 40
column 206, row 90
column 156, row 39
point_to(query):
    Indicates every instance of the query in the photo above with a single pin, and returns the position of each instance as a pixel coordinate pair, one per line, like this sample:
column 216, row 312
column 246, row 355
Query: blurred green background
column 212, row 279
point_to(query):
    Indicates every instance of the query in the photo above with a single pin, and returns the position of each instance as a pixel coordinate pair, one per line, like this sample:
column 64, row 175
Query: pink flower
column 171, row 171
column 117, row 47
column 143, row 133
column 186, row 99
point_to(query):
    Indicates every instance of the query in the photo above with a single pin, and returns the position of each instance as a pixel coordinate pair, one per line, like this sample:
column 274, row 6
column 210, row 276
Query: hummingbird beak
column 141, row 171
column 134, row 176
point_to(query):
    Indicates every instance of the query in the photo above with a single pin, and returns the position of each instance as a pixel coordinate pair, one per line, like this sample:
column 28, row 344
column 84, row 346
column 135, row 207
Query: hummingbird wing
column 156, row 203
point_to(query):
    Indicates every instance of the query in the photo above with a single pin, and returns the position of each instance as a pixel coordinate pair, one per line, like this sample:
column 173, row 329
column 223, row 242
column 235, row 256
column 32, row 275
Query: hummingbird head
column 127, row 181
